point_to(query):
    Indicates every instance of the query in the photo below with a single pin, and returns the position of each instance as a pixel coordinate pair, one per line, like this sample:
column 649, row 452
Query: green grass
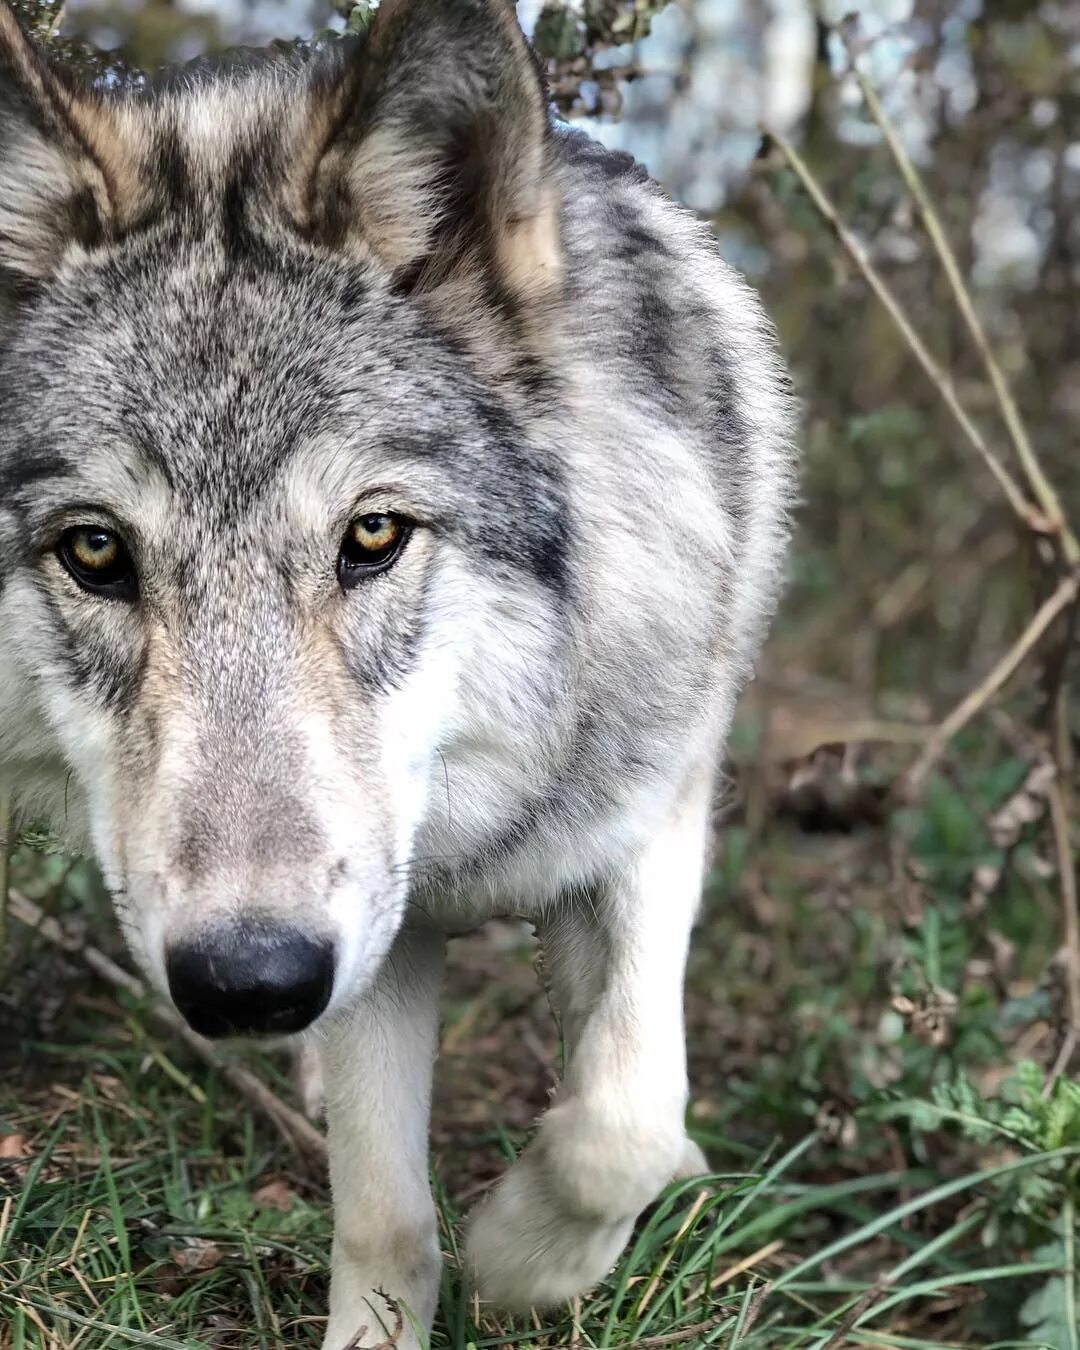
column 111, row 1249
column 879, row 1183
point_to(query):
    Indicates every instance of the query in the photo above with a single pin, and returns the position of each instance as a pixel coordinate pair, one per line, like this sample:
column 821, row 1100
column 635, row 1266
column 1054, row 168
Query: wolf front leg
column 557, row 1221
column 377, row 1064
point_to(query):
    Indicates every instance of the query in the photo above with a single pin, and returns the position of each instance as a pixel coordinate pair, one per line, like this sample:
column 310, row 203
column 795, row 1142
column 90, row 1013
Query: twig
column 1026, row 511
column 753, row 1311
column 1046, row 495
column 1041, row 487
column 862, row 1305
column 7, row 820
column 394, row 1335
column 747, row 1263
column 1047, row 517
column 295, row 1128
column 1062, row 1060
column 965, row 710
column 677, row 1337
column 1060, row 815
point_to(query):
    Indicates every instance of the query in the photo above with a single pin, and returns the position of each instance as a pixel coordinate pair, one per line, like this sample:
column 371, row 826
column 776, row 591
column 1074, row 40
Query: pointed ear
column 56, row 189
column 436, row 150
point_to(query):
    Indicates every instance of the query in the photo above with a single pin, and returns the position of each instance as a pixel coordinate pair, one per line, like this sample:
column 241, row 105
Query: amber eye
column 99, row 561
column 372, row 543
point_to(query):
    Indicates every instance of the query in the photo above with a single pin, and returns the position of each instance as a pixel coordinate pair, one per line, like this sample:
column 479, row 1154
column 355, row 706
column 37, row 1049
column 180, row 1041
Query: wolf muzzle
column 246, row 979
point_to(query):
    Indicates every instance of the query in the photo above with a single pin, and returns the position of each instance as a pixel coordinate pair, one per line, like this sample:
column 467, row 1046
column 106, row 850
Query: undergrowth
column 896, row 1164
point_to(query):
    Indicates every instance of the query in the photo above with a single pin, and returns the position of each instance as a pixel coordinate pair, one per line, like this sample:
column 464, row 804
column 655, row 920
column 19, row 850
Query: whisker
column 446, row 778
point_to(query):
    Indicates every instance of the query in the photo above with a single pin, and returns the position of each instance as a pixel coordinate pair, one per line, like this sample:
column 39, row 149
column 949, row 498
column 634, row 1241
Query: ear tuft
column 54, row 188
column 436, row 150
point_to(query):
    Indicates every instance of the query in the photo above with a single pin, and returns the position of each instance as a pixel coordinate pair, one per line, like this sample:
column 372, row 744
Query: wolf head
column 265, row 497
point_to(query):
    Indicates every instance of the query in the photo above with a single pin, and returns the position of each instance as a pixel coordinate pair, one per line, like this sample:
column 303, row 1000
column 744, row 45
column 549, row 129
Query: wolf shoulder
column 685, row 335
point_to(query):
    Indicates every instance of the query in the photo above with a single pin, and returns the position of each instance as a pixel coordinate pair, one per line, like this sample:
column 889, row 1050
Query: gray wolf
column 393, row 492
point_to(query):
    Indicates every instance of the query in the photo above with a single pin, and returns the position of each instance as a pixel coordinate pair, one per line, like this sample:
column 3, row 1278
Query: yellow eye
column 98, row 560
column 371, row 544
column 96, row 550
column 373, row 534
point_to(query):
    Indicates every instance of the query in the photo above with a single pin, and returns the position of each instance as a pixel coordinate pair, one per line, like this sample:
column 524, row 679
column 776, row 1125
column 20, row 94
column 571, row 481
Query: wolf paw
column 527, row 1249
column 391, row 1291
column 556, row 1223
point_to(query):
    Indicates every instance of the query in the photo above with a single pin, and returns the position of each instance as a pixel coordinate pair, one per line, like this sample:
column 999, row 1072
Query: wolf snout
column 244, row 980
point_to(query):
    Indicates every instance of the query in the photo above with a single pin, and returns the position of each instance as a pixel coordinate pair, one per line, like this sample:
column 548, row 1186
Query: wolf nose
column 249, row 981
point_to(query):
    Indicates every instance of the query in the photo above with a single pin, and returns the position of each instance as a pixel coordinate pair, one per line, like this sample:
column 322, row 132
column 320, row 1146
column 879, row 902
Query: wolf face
column 263, row 501
column 309, row 561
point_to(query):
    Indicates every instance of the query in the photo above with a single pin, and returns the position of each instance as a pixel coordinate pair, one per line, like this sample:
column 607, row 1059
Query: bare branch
column 857, row 1310
column 7, row 832
column 1041, row 487
column 1026, row 511
column 1060, row 815
column 965, row 710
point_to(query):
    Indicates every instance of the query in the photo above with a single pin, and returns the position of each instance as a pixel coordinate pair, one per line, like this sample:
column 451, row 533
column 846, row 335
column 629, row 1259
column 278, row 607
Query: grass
column 883, row 1180
column 159, row 1237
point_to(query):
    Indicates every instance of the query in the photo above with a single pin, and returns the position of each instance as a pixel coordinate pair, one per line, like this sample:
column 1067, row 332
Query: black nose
column 243, row 980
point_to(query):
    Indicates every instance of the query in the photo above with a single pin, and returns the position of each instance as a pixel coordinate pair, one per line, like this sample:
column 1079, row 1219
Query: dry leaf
column 930, row 1017
column 195, row 1256
column 1026, row 805
column 274, row 1194
column 13, row 1146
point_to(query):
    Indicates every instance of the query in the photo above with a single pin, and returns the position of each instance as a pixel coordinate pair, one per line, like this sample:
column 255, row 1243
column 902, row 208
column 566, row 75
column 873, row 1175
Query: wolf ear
column 435, row 150
column 54, row 184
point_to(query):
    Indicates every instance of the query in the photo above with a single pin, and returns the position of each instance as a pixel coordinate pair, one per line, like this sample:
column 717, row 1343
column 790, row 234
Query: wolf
column 394, row 488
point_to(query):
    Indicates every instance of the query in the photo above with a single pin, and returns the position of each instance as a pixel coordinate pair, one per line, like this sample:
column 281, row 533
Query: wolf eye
column 99, row 561
column 372, row 543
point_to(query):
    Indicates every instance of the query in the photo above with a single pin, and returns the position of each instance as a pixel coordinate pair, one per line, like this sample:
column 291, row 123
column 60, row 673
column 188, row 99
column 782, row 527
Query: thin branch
column 1041, row 487
column 7, row 840
column 1060, row 815
column 392, row 1337
column 1061, row 1062
column 753, row 1310
column 1026, row 511
column 690, row 1333
column 295, row 1128
column 858, row 1309
column 1065, row 595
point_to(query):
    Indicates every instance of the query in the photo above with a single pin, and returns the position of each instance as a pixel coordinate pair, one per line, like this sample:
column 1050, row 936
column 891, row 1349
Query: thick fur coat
column 244, row 309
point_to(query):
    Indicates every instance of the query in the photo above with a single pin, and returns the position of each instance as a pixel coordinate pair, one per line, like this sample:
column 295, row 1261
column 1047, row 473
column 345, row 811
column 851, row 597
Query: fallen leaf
column 195, row 1256
column 274, row 1194
column 13, row 1146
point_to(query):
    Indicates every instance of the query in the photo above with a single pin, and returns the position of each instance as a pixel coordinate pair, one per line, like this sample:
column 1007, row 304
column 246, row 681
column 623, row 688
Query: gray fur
column 246, row 306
